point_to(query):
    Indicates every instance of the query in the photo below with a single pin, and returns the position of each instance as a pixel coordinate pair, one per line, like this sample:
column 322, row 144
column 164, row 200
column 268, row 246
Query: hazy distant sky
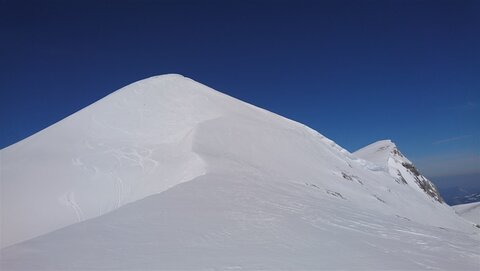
column 356, row 71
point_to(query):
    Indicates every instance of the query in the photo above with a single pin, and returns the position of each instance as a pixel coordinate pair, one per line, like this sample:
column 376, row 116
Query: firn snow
column 167, row 173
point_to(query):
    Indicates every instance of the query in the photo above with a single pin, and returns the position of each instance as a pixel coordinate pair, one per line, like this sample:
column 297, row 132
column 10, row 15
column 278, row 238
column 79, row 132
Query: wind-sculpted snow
column 133, row 143
column 214, row 182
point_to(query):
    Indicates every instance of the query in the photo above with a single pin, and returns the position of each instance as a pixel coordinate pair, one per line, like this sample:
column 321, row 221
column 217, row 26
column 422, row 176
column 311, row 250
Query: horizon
column 355, row 72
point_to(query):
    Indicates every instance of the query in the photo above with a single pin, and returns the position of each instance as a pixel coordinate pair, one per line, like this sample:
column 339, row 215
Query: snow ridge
column 167, row 164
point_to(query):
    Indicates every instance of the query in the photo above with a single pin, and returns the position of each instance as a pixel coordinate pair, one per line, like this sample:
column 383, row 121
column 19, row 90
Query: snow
column 167, row 173
column 469, row 211
column 378, row 152
column 387, row 158
column 222, row 222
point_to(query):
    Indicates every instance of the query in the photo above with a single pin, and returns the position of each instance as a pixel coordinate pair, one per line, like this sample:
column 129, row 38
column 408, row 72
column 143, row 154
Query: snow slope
column 469, row 211
column 223, row 222
column 214, row 182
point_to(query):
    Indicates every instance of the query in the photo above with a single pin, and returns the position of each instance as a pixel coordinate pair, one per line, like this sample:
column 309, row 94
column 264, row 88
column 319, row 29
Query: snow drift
column 224, row 182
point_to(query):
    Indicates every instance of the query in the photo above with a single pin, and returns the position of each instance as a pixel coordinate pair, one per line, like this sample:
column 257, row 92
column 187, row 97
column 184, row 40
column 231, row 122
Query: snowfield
column 469, row 211
column 167, row 173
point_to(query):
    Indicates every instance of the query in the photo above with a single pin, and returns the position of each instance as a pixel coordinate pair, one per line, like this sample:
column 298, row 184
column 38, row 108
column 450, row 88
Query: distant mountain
column 475, row 197
column 458, row 195
column 167, row 173
column 459, row 189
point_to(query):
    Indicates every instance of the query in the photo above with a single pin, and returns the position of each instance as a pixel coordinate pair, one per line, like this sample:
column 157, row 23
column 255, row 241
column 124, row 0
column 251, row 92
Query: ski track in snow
column 69, row 200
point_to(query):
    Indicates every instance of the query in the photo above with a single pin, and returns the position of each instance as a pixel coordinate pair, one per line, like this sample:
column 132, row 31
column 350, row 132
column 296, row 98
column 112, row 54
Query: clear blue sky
column 356, row 71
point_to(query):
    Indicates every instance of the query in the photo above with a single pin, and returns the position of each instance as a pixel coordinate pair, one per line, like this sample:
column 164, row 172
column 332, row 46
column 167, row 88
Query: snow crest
column 167, row 165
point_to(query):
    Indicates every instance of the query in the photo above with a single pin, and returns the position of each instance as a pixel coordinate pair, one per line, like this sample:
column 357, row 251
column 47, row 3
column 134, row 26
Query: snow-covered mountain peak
column 380, row 152
column 140, row 140
column 186, row 168
column 388, row 157
column 133, row 143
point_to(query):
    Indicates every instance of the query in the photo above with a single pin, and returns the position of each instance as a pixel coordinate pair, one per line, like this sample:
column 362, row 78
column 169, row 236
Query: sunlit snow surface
column 469, row 211
column 213, row 182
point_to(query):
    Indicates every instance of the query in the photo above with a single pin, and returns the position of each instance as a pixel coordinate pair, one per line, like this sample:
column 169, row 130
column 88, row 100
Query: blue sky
column 356, row 71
